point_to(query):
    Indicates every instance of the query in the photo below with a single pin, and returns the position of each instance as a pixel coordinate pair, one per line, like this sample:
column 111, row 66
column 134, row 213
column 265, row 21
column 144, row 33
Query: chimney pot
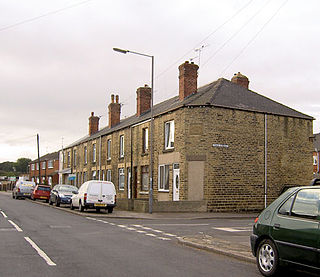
column 117, row 98
column 112, row 98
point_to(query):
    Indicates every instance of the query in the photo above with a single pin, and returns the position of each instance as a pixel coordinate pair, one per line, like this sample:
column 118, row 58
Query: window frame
column 94, row 153
column 121, row 174
column 109, row 149
column 50, row 164
column 145, row 140
column 108, row 174
column 85, row 154
column 162, row 187
column 169, row 135
column 121, row 145
column 143, row 187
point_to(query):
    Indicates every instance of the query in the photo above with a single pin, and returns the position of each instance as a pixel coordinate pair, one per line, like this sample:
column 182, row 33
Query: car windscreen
column 68, row 189
column 44, row 188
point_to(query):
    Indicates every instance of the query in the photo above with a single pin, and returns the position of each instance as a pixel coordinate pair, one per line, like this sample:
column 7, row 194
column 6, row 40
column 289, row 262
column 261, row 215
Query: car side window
column 285, row 208
column 307, row 203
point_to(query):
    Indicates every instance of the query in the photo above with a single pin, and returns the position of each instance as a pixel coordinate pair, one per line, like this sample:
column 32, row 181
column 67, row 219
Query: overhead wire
column 255, row 36
column 203, row 40
column 236, row 33
column 43, row 15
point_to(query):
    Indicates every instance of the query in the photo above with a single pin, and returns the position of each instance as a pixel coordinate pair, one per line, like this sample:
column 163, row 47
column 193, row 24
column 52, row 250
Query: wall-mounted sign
column 72, row 177
column 220, row 145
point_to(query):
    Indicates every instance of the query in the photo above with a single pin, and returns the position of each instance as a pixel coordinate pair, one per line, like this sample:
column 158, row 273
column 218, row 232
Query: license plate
column 26, row 194
column 43, row 197
column 99, row 205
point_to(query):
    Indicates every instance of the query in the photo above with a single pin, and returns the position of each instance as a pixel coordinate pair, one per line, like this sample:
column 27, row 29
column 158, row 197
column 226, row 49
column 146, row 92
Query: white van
column 23, row 189
column 95, row 195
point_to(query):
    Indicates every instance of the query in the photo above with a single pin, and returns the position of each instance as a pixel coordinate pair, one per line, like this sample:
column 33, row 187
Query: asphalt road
column 40, row 240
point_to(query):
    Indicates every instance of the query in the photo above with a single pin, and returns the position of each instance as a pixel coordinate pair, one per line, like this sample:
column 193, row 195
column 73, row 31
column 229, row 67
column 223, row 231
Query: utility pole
column 39, row 158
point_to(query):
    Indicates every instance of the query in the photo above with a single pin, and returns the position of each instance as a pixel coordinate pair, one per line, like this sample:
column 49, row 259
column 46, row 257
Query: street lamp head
column 120, row 50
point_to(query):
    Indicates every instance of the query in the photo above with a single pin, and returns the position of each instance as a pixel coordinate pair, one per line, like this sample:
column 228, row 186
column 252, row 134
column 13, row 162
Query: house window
column 164, row 178
column 37, row 165
column 68, row 161
column 43, row 165
column 94, row 175
column 109, row 175
column 84, row 176
column 85, row 155
column 169, row 134
column 315, row 160
column 32, row 167
column 50, row 180
column 145, row 140
column 109, row 149
column 50, row 164
column 94, row 152
column 144, row 178
column 121, row 178
column 74, row 157
column 121, row 146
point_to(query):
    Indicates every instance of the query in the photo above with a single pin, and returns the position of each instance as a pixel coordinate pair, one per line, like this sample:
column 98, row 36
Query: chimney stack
column 93, row 124
column 114, row 111
column 143, row 99
column 188, row 75
column 241, row 80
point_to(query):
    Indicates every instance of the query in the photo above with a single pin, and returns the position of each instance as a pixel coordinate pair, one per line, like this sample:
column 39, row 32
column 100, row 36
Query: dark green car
column 287, row 231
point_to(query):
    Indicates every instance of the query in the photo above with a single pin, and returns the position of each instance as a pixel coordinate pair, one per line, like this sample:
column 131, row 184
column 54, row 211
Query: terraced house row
column 220, row 147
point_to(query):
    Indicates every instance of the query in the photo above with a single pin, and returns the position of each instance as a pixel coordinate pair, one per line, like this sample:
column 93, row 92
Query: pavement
column 199, row 241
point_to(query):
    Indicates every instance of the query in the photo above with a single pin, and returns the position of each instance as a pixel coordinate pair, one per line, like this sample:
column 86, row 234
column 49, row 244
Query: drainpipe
column 131, row 163
column 265, row 160
column 100, row 146
column 317, row 161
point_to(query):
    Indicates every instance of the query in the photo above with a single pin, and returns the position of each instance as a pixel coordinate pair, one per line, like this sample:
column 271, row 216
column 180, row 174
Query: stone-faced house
column 221, row 147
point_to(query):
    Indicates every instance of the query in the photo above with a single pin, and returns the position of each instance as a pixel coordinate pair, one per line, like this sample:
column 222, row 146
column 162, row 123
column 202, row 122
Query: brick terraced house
column 220, row 147
column 49, row 167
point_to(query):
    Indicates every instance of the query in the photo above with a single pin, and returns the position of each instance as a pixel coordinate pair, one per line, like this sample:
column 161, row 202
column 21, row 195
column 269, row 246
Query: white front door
column 176, row 182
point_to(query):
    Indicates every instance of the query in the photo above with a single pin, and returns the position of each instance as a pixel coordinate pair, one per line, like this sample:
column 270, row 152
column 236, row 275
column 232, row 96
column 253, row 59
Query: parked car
column 287, row 231
column 41, row 192
column 23, row 189
column 61, row 194
column 95, row 195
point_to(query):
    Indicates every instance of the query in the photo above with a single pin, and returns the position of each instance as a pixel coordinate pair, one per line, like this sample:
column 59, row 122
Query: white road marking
column 169, row 235
column 41, row 253
column 15, row 226
column 4, row 215
column 150, row 235
column 102, row 221
column 7, row 229
column 91, row 218
column 59, row 226
column 112, row 224
column 122, row 226
column 163, row 238
column 141, row 231
column 131, row 229
column 233, row 230
column 181, row 224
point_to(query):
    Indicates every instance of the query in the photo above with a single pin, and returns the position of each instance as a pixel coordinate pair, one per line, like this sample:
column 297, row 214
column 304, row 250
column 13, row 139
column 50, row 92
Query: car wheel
column 267, row 258
column 57, row 203
column 12, row 195
column 110, row 210
column 71, row 206
column 81, row 208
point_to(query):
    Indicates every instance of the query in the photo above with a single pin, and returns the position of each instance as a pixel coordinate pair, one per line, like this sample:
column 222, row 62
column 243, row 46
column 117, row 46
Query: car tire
column 110, row 210
column 57, row 203
column 71, row 206
column 12, row 195
column 81, row 208
column 267, row 258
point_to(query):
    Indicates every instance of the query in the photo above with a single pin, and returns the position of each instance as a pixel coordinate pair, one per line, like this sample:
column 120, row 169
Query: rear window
column 44, row 188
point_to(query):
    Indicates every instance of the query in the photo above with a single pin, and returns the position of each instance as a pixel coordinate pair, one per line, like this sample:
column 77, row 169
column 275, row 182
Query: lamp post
column 151, row 122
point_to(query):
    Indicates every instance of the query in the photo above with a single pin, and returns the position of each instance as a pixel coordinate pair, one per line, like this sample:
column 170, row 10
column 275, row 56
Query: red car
column 41, row 192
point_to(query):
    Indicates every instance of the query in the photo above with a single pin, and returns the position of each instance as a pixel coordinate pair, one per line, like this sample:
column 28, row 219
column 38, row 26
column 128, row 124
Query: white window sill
column 144, row 192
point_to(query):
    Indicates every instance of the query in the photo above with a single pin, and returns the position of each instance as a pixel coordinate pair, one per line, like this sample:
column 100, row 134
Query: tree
column 22, row 165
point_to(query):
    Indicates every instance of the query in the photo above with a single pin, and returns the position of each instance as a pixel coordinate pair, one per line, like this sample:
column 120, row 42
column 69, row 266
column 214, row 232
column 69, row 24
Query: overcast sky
column 57, row 64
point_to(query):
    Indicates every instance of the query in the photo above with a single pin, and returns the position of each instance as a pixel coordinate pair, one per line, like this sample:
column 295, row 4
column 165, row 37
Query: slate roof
column 221, row 93
column 316, row 142
column 47, row 157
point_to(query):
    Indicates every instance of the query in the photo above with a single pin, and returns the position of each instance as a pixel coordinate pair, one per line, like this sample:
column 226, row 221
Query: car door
column 295, row 227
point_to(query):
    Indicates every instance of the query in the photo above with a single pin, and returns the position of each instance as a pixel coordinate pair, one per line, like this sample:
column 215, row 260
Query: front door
column 176, row 182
